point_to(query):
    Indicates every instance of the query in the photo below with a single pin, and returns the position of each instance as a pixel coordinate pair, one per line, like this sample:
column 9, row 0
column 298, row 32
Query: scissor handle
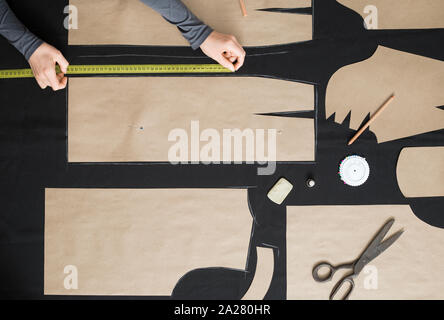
column 328, row 276
column 331, row 270
column 348, row 278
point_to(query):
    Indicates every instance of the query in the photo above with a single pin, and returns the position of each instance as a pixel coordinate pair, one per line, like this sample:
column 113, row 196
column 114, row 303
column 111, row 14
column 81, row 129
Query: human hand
column 43, row 64
column 224, row 49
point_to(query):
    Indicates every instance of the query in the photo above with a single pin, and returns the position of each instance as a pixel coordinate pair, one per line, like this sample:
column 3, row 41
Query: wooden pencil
column 243, row 8
column 373, row 118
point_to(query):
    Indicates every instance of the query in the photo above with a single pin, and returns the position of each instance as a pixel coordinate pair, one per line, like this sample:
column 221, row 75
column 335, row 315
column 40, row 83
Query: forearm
column 16, row 33
column 175, row 12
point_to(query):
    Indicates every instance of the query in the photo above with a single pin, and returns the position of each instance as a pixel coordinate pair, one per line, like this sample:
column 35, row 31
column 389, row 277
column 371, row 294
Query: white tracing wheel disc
column 354, row 171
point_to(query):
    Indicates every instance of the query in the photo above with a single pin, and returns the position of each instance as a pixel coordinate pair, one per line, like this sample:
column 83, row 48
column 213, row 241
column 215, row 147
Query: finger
column 41, row 82
column 236, row 60
column 237, row 50
column 240, row 58
column 232, row 58
column 54, row 82
column 46, row 82
column 38, row 79
column 239, row 62
column 63, row 63
column 226, row 63
column 63, row 82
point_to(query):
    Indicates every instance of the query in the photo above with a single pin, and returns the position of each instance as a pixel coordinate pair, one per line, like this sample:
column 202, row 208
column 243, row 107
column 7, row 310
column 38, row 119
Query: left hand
column 225, row 49
column 43, row 64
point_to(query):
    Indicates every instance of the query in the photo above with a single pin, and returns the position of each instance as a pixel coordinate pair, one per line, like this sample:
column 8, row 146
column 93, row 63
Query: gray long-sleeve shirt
column 174, row 11
column 16, row 33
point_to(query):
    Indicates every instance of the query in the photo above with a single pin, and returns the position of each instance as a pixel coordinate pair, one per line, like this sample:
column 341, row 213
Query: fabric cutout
column 420, row 172
column 363, row 87
column 133, row 23
column 400, row 14
column 140, row 242
column 131, row 119
column 263, row 275
column 211, row 284
column 409, row 269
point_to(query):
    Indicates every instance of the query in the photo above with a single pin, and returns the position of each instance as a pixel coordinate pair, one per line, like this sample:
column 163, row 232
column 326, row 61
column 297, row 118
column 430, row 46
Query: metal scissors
column 374, row 249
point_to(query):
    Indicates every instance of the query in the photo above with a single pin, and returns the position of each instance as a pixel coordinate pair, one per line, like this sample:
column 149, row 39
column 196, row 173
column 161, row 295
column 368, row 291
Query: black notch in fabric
column 346, row 121
column 306, row 114
column 308, row 10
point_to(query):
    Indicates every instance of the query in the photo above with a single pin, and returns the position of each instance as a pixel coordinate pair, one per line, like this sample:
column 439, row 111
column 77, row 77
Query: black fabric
column 33, row 142
column 289, row 10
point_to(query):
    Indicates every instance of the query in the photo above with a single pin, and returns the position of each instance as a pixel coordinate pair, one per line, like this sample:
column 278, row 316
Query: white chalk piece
column 354, row 171
column 280, row 191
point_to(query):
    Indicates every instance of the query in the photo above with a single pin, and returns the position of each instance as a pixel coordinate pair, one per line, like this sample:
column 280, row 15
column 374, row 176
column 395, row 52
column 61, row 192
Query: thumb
column 226, row 63
column 63, row 63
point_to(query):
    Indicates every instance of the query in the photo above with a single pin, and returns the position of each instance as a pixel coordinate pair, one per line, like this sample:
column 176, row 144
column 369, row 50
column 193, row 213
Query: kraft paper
column 263, row 275
column 420, row 172
column 131, row 22
column 401, row 14
column 409, row 269
column 140, row 242
column 131, row 119
column 363, row 87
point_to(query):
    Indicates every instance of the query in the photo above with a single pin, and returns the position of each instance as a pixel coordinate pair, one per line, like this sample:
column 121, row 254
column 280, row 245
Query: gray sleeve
column 16, row 33
column 174, row 11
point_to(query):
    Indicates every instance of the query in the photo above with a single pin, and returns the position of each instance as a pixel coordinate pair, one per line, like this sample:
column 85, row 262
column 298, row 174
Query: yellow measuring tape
column 123, row 69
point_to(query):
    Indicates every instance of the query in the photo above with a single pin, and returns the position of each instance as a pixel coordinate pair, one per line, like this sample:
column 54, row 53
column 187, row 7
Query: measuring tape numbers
column 128, row 69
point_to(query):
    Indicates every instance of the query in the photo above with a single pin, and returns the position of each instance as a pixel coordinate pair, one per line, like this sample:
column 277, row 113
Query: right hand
column 43, row 62
column 224, row 49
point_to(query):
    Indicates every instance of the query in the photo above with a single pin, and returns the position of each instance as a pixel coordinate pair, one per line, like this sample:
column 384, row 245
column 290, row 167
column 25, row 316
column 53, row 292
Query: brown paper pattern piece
column 140, row 242
column 262, row 276
column 400, row 14
column 363, row 87
column 420, row 172
column 130, row 119
column 409, row 269
column 131, row 22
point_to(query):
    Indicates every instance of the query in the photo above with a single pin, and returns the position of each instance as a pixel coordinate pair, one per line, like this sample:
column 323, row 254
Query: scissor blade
column 387, row 243
column 372, row 250
column 377, row 240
